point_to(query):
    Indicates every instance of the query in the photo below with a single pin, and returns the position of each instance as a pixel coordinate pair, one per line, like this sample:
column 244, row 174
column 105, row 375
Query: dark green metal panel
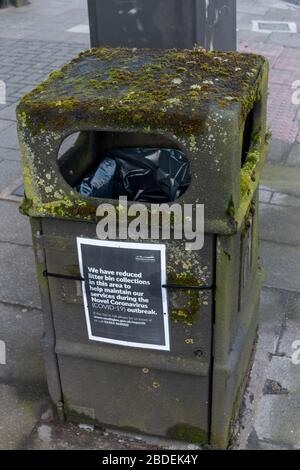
column 157, row 393
column 163, row 23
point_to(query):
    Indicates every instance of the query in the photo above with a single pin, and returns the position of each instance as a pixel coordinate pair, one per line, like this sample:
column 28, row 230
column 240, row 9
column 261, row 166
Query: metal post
column 163, row 23
column 216, row 24
column 14, row 3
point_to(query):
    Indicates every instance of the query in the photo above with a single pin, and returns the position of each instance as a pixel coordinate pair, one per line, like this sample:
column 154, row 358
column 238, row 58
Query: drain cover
column 274, row 26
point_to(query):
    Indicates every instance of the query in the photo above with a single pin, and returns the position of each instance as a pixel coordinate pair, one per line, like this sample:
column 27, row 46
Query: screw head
column 198, row 352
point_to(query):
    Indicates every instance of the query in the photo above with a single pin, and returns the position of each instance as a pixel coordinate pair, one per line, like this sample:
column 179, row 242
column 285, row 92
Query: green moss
column 135, row 87
column 249, row 216
column 187, row 433
column 268, row 136
column 231, row 209
column 62, row 208
column 75, row 416
column 248, row 178
column 190, row 313
column 55, row 75
column 248, row 172
column 73, row 270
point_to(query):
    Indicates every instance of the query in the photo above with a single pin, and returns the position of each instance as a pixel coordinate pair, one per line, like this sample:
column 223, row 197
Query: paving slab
column 252, row 9
column 246, row 37
column 279, row 150
column 9, row 154
column 284, row 39
column 265, row 445
column 280, row 224
column 21, row 329
column 283, row 179
column 288, row 59
column 19, row 412
column 282, row 113
column 279, row 371
column 283, row 76
column 278, row 419
column 270, row 51
column 8, row 112
column 4, row 125
column 62, row 36
column 16, row 227
column 284, row 11
column 265, row 196
column 294, row 155
column 281, row 263
column 286, row 200
column 18, row 284
column 9, row 138
column 39, row 17
column 10, row 170
column 290, row 334
column 272, row 307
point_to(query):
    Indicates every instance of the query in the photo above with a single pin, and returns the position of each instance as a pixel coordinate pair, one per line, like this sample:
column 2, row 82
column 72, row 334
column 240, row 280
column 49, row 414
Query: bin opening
column 247, row 137
column 107, row 165
column 252, row 128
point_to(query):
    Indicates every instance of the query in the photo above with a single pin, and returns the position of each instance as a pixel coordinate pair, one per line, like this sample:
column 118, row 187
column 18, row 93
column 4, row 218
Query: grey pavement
column 34, row 40
column 270, row 417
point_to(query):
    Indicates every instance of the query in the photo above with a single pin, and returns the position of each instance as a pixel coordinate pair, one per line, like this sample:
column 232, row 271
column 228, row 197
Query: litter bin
column 211, row 107
column 163, row 23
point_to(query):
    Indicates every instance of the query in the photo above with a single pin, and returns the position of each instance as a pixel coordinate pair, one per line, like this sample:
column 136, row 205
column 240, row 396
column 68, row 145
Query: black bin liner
column 142, row 174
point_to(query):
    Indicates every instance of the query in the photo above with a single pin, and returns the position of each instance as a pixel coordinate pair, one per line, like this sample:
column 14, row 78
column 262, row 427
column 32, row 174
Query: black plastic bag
column 143, row 174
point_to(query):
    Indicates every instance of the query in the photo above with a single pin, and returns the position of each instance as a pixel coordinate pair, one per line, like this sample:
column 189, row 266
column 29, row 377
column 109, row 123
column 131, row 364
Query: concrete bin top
column 200, row 100
column 168, row 90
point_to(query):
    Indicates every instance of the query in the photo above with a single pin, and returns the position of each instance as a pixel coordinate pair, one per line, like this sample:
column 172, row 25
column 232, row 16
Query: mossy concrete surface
column 125, row 86
column 198, row 100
